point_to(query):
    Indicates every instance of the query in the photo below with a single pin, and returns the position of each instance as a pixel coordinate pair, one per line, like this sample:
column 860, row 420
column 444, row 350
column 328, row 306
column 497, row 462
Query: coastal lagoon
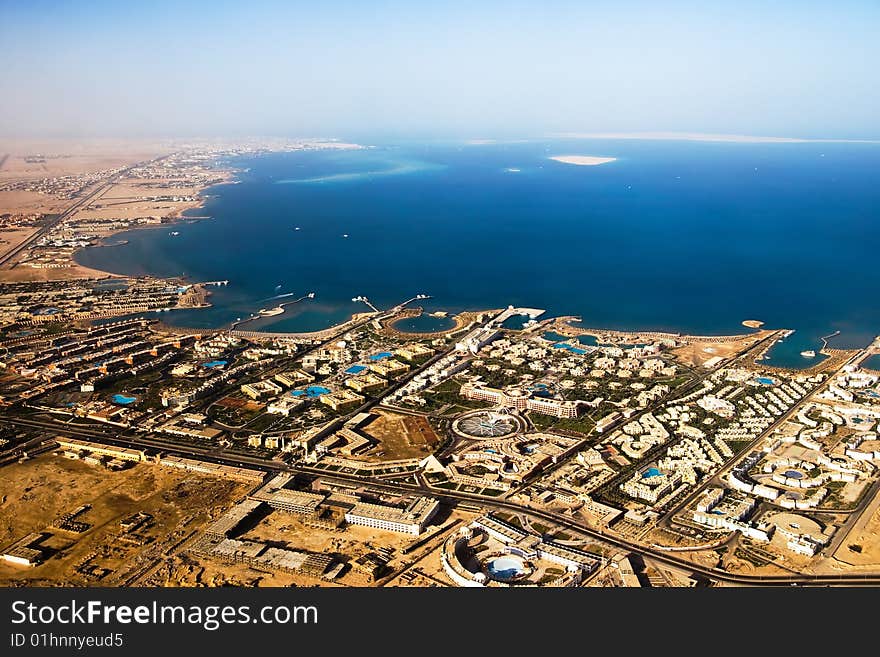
column 692, row 237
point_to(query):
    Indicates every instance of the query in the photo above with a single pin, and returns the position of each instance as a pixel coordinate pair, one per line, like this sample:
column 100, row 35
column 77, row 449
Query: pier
column 366, row 301
column 256, row 316
column 402, row 305
column 825, row 339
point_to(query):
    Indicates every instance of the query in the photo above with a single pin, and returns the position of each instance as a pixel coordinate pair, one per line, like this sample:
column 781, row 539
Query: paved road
column 449, row 497
column 77, row 205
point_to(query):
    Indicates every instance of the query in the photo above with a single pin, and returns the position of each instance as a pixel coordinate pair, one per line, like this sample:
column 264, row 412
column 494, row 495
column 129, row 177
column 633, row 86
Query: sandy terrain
column 864, row 535
column 33, row 494
column 56, row 274
column 697, row 353
column 12, row 237
column 753, row 323
column 582, row 160
column 27, row 159
column 15, row 202
column 400, row 436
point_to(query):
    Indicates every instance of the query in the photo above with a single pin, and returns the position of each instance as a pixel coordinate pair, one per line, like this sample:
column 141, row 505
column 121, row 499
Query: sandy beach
column 582, row 160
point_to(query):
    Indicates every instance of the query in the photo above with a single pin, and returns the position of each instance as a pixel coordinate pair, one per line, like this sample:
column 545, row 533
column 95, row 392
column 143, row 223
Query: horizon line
column 708, row 136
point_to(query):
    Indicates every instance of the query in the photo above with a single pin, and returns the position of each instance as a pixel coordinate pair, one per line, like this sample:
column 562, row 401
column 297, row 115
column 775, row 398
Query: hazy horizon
column 502, row 70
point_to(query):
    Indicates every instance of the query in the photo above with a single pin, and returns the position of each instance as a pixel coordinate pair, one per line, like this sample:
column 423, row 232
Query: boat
column 297, row 228
column 311, row 295
column 345, row 234
column 174, row 233
column 269, row 312
column 809, row 353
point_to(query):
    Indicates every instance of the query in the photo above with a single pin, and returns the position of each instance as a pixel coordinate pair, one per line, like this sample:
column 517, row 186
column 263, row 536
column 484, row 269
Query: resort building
column 366, row 382
column 293, row 378
column 97, row 449
column 261, row 389
column 409, row 520
column 389, row 368
column 284, row 405
column 342, row 400
column 521, row 401
column 413, row 351
column 284, row 499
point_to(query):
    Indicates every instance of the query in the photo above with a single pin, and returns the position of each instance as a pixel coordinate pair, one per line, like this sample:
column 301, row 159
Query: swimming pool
column 765, row 381
column 214, row 363
column 355, row 369
column 794, row 474
column 651, row 472
column 381, row 355
column 311, row 392
column 506, row 567
column 568, row 347
column 122, row 399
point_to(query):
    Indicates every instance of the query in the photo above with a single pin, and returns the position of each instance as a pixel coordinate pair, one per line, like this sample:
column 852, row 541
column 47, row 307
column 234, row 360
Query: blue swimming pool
column 355, row 369
column 122, row 399
column 568, row 347
column 506, row 567
column 311, row 392
column 651, row 472
column 214, row 363
column 381, row 355
column 765, row 381
column 794, row 474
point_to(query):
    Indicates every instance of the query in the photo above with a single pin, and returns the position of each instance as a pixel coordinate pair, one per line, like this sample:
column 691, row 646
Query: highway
column 449, row 497
column 83, row 202
column 668, row 518
column 112, row 436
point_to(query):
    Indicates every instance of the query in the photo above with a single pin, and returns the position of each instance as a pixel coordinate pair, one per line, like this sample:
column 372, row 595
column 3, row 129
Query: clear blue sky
column 441, row 68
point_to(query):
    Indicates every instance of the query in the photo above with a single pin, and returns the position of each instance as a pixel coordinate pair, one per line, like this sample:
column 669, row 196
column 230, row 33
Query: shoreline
column 231, row 175
column 175, row 218
column 74, row 270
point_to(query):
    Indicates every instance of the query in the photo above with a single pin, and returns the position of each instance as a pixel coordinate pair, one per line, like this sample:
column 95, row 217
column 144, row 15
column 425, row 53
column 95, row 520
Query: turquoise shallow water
column 681, row 236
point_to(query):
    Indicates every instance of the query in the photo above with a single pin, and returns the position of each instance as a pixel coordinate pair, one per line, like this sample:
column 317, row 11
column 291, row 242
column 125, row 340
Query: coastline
column 174, row 218
column 72, row 269
column 231, row 176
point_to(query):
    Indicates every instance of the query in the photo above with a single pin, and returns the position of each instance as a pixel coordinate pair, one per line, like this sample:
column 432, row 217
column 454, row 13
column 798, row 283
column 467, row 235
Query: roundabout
column 488, row 425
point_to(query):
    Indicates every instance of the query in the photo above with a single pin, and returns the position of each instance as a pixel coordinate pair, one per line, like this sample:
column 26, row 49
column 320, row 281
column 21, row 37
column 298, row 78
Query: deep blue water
column 425, row 323
column 682, row 236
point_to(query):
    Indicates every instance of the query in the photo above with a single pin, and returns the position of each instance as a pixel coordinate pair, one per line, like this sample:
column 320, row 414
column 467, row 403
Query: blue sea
column 681, row 236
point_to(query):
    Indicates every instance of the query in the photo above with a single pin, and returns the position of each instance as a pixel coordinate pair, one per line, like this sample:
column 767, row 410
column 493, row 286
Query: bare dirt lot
column 401, row 436
column 30, row 159
column 35, row 493
column 24, row 202
column 697, row 353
